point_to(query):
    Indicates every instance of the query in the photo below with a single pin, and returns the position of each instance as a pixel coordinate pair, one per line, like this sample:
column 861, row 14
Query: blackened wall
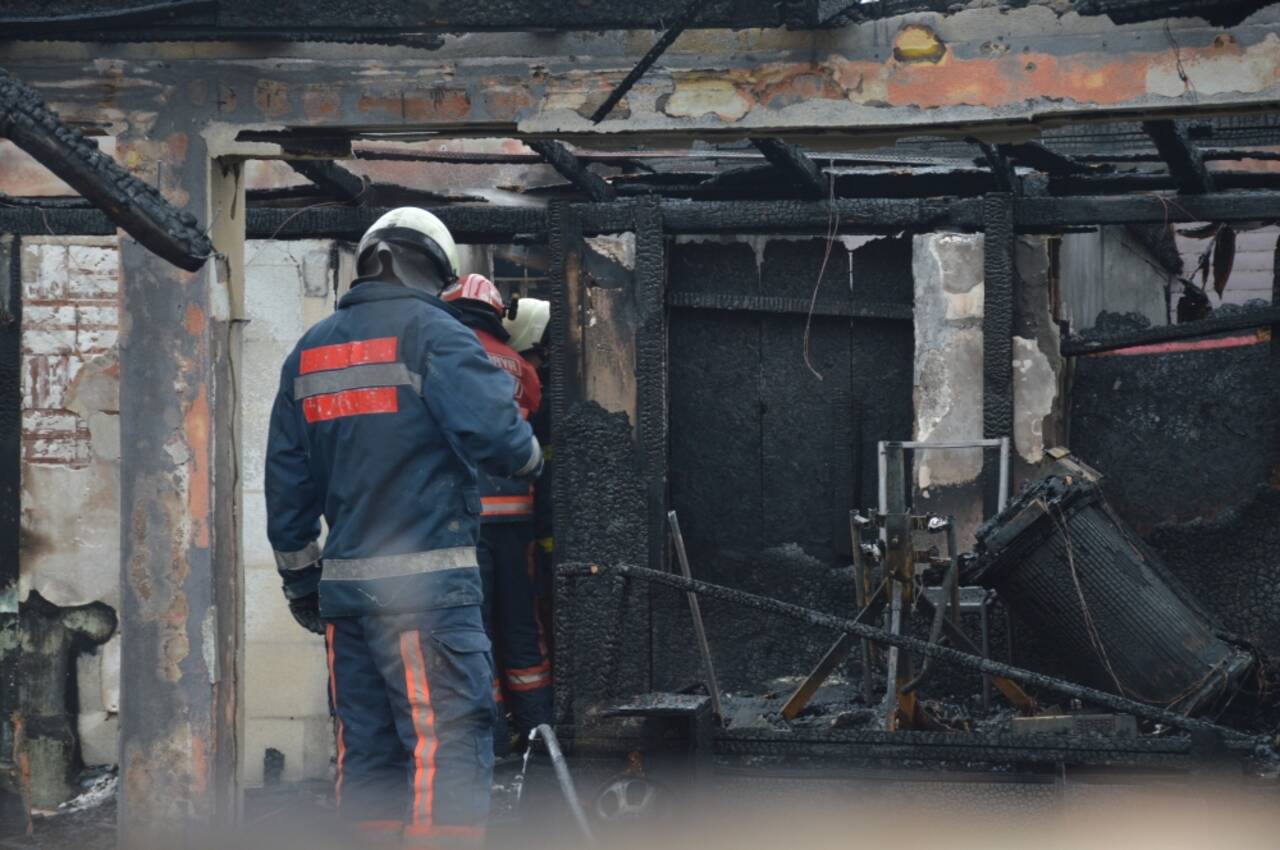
column 1189, row 444
column 768, row 457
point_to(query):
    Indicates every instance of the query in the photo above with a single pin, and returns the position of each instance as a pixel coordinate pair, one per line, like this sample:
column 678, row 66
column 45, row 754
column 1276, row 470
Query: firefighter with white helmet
column 385, row 412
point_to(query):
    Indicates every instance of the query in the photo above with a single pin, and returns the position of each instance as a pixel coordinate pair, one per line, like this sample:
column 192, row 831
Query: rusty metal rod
column 910, row 644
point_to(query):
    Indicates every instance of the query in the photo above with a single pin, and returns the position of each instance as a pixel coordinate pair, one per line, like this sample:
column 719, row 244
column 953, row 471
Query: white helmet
column 526, row 329
column 415, row 228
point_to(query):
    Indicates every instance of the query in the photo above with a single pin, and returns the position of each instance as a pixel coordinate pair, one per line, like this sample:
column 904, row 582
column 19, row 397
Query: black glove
column 306, row 610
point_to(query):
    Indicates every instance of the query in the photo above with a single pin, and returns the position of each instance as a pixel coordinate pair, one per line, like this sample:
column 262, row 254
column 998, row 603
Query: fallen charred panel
column 1063, row 561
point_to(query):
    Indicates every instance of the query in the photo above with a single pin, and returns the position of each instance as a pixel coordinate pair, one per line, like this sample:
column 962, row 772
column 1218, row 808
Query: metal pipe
column 562, row 775
column 1004, row 472
column 700, row 631
column 911, row 644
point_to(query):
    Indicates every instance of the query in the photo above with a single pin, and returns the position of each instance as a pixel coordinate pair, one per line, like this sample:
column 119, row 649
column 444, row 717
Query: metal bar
column 708, row 667
column 985, row 628
column 780, row 304
column 911, row 644
column 667, row 39
column 1004, row 473
column 1244, row 320
column 946, row 444
column 861, row 584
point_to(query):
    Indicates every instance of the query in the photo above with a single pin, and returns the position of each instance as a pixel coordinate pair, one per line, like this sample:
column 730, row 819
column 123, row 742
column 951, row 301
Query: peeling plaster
column 1035, row 391
column 948, row 271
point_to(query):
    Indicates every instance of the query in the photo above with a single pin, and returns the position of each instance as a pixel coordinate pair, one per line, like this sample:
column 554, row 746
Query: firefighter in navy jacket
column 507, row 564
column 386, row 410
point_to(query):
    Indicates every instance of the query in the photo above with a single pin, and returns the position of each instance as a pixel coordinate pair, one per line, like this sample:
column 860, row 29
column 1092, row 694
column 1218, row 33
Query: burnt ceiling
column 417, row 23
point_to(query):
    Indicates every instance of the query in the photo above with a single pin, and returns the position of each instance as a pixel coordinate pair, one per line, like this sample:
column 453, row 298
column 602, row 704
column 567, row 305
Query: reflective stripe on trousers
column 413, row 695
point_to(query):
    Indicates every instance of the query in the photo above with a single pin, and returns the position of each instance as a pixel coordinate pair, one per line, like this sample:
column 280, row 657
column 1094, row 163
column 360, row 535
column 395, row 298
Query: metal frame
column 1001, row 443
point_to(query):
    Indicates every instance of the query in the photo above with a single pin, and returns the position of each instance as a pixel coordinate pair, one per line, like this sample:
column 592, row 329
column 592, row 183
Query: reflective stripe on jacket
column 385, row 411
column 502, row 499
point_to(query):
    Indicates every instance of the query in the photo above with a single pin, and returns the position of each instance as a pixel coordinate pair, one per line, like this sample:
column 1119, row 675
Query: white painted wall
column 289, row 286
column 1109, row 270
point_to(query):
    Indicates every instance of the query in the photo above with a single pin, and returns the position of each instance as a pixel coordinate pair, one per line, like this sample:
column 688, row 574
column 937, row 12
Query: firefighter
column 385, row 411
column 528, row 329
column 507, row 558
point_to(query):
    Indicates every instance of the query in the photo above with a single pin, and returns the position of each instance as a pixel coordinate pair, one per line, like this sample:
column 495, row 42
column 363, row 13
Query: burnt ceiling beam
column 570, row 168
column 1037, row 156
column 1002, row 171
column 797, row 166
column 404, row 20
column 1223, row 13
column 43, row 26
column 332, row 178
column 1249, row 319
column 668, row 38
column 130, row 203
column 1110, row 184
column 493, row 224
column 1184, row 161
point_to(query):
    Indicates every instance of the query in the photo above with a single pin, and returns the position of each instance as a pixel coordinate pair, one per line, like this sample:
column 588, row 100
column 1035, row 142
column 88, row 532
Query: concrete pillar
column 950, row 298
column 949, row 310
column 180, row 579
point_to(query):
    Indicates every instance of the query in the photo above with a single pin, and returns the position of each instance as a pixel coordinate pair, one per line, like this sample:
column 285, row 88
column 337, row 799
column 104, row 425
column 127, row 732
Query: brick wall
column 71, row 314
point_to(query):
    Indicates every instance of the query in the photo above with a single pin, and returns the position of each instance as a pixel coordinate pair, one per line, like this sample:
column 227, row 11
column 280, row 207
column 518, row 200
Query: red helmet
column 478, row 288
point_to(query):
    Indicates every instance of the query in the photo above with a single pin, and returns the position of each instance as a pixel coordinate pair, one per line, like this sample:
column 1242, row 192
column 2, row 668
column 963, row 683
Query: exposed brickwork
column 71, row 314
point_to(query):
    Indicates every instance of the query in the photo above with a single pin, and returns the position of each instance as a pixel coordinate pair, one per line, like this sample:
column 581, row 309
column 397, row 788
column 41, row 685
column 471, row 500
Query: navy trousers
column 413, row 698
column 509, row 573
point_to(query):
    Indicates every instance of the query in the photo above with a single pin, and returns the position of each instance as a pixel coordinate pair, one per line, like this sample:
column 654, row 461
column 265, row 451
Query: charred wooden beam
column 668, row 38
column 1112, row 184
column 44, row 26
column 797, row 166
column 493, row 224
column 1037, row 215
column 1223, row 13
column 1000, row 285
column 1002, row 172
column 1184, row 161
column 407, row 21
column 15, row 795
column 130, row 203
column 567, row 165
column 1037, row 156
column 331, row 178
column 1259, row 317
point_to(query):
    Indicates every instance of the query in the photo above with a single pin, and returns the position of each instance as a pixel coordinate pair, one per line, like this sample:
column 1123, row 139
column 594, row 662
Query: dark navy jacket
column 385, row 411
